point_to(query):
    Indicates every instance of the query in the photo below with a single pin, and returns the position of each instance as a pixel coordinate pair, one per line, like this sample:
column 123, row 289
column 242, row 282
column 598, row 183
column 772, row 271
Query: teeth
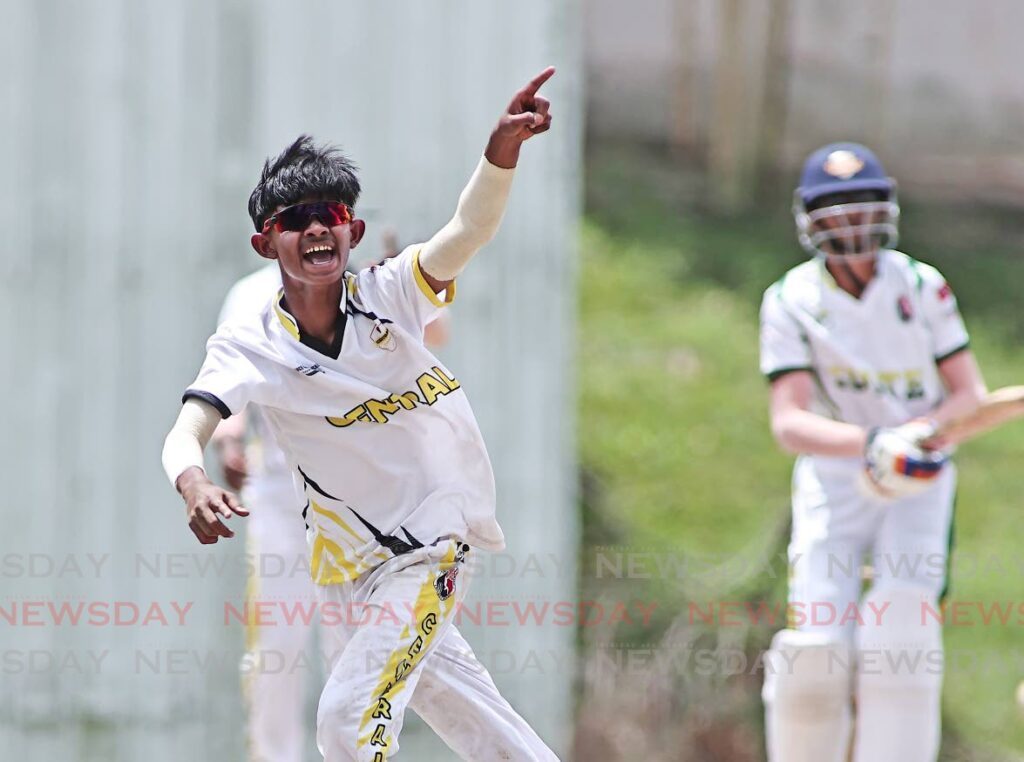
column 322, row 247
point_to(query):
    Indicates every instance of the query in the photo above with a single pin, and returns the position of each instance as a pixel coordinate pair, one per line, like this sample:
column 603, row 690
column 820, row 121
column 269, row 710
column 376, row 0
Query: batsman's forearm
column 965, row 388
column 957, row 405
column 807, row 433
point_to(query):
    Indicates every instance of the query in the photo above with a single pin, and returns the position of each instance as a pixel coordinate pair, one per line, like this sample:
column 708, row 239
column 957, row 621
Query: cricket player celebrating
column 866, row 354
column 380, row 435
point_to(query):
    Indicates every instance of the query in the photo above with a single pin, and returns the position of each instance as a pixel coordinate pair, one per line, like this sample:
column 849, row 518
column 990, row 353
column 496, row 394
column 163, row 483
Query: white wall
column 132, row 132
column 936, row 86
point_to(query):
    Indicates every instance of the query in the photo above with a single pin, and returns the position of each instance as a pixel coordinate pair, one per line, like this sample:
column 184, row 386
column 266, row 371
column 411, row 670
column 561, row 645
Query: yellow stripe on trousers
column 428, row 614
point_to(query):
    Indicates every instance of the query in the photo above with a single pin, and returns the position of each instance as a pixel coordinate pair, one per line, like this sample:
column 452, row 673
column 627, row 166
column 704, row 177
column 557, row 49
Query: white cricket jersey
column 875, row 359
column 268, row 468
column 378, row 430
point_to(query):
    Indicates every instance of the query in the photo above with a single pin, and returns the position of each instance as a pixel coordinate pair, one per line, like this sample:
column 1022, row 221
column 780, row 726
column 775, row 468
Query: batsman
column 868, row 358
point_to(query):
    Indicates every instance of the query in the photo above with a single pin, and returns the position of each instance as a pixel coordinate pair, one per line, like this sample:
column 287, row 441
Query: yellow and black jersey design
column 902, row 384
column 429, row 388
column 350, row 552
column 426, row 471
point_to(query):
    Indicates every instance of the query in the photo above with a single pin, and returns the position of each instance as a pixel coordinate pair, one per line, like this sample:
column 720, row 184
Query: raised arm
column 183, row 464
column 482, row 203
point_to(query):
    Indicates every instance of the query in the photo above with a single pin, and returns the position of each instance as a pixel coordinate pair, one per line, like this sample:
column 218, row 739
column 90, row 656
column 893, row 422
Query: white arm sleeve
column 481, row 207
column 189, row 436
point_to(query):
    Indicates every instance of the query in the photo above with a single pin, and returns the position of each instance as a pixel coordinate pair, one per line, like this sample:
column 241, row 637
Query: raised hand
column 527, row 115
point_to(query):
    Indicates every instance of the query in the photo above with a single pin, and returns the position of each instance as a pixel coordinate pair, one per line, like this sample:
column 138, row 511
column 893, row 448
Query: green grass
column 674, row 432
column 671, row 397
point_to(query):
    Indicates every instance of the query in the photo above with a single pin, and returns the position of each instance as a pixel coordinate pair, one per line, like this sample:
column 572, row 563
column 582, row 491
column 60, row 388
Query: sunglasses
column 297, row 217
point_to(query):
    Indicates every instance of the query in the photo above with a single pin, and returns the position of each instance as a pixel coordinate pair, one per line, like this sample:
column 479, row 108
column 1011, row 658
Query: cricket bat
column 998, row 407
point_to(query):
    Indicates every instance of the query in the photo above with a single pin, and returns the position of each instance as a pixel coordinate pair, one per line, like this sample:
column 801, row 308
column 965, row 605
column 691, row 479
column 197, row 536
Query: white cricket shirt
column 876, row 358
column 379, row 432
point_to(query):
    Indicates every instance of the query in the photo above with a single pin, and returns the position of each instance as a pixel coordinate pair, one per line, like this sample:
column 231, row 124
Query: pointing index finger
column 539, row 80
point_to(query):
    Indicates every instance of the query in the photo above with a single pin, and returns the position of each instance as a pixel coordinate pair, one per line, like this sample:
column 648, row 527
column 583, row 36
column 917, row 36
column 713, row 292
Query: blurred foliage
column 683, row 480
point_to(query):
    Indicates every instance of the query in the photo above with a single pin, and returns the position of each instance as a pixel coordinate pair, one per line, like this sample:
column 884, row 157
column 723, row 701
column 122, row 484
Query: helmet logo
column 843, row 164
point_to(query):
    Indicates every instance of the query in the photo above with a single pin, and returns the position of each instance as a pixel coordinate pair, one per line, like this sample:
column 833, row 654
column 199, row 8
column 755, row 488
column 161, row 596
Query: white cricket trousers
column 897, row 681
column 835, row 527
column 400, row 648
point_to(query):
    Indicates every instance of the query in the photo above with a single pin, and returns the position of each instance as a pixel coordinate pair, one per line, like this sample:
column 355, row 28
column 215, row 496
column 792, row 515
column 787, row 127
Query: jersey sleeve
column 941, row 314
column 398, row 288
column 784, row 348
column 229, row 378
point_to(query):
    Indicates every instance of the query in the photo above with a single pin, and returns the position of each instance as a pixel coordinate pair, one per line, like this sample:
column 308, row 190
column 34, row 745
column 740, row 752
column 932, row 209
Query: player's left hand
column 918, row 431
column 205, row 503
column 924, row 433
column 528, row 114
column 897, row 465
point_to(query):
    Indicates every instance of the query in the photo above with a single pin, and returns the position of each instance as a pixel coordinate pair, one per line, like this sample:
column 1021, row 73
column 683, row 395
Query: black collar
column 332, row 350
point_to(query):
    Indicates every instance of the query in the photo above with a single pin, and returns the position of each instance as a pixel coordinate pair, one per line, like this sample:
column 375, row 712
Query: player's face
column 850, row 224
column 316, row 255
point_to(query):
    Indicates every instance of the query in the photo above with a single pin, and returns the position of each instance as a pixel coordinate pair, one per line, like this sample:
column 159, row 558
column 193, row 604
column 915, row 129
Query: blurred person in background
column 866, row 354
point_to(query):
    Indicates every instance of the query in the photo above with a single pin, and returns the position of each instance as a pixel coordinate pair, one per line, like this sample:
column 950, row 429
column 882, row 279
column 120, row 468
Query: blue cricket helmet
column 840, row 168
column 845, row 226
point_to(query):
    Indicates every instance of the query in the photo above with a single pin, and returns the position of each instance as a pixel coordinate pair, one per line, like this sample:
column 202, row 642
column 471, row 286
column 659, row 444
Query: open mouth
column 321, row 254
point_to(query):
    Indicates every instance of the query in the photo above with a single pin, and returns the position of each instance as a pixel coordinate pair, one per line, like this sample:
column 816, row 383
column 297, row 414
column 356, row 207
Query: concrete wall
column 937, row 86
column 133, row 131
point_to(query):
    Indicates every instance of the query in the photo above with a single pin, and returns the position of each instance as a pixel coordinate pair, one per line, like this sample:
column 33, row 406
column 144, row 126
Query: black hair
column 303, row 170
